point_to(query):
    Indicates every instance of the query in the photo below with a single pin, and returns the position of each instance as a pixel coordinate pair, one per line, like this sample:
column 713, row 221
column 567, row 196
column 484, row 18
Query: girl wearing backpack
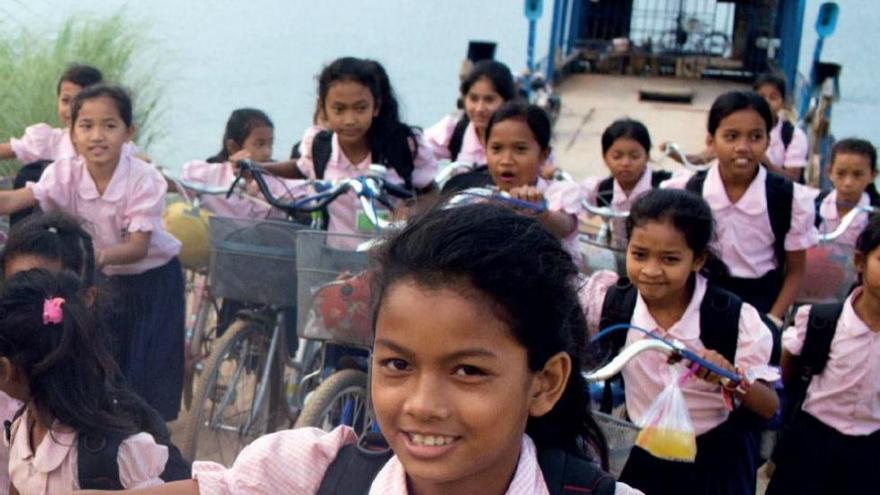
column 53, row 360
column 832, row 357
column 484, row 396
column 666, row 292
column 763, row 222
column 852, row 171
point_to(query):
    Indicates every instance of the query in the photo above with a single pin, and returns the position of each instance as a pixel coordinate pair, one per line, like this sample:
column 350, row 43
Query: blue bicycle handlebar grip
column 723, row 373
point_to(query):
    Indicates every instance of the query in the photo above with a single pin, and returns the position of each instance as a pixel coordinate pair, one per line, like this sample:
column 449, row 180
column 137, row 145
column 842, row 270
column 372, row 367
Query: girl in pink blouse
column 122, row 198
column 475, row 373
column 667, row 256
column 52, row 359
column 833, row 445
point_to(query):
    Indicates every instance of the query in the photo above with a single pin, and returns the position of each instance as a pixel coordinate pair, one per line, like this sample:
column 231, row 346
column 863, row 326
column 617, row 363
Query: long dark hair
column 239, row 126
column 734, row 101
column 54, row 236
column 392, row 143
column 533, row 115
column 71, row 375
column 524, row 270
column 689, row 214
column 496, row 73
column 118, row 94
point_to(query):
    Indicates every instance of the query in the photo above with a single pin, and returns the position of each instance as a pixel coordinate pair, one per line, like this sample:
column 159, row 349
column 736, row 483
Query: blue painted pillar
column 554, row 37
column 576, row 24
column 789, row 26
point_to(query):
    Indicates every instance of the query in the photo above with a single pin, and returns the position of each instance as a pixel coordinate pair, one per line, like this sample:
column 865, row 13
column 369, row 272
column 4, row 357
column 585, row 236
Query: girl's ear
column 378, row 107
column 859, row 262
column 549, row 384
column 700, row 261
column 710, row 142
column 89, row 296
column 232, row 147
column 545, row 154
column 130, row 132
column 7, row 370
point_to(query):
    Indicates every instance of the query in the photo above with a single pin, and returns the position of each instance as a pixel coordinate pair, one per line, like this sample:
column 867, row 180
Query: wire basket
column 334, row 289
column 253, row 260
column 620, row 436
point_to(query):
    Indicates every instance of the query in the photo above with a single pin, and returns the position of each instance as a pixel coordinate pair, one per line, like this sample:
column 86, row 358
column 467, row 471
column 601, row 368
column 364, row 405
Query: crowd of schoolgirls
column 92, row 304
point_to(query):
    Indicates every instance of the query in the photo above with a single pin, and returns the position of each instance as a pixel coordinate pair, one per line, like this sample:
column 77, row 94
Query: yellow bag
column 191, row 230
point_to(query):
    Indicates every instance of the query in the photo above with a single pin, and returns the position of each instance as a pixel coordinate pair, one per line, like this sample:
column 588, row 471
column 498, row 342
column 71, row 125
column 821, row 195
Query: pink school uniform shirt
column 649, row 373
column 133, row 202
column 565, row 197
column 222, row 175
column 294, row 461
column 620, row 200
column 846, row 395
column 795, row 156
column 744, row 237
column 44, row 142
column 831, row 219
column 439, row 135
column 344, row 211
column 52, row 468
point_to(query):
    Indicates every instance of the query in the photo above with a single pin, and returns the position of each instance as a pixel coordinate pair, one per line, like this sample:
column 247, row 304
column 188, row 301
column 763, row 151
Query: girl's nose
column 425, row 401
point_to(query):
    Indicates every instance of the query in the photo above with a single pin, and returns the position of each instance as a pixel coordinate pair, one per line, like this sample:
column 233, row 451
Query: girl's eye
column 469, row 371
column 670, row 259
column 638, row 254
column 522, row 149
column 395, row 365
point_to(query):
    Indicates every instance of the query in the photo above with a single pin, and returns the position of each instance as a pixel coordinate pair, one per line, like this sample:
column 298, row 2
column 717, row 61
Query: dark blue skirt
column 148, row 332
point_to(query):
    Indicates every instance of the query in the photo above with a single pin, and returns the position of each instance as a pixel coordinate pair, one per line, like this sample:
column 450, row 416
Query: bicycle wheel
column 340, row 399
column 225, row 416
column 201, row 328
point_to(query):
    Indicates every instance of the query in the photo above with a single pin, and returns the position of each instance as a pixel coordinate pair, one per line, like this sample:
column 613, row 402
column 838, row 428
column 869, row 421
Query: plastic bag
column 667, row 431
column 341, row 312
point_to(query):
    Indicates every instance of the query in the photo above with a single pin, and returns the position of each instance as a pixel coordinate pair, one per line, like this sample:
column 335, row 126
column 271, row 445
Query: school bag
column 457, row 138
column 355, row 468
column 606, row 187
column 97, row 467
column 779, row 193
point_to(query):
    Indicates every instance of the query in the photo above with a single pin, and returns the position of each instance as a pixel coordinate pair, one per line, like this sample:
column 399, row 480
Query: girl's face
column 659, row 262
column 851, row 173
column 514, row 155
column 626, row 159
column 99, row 132
column 774, row 98
column 740, row 143
column 481, row 101
column 868, row 266
column 66, row 93
column 258, row 143
column 452, row 392
column 349, row 109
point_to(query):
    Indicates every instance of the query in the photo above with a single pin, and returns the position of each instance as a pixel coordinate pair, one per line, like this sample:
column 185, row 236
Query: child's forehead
column 746, row 118
column 99, row 107
column 851, row 159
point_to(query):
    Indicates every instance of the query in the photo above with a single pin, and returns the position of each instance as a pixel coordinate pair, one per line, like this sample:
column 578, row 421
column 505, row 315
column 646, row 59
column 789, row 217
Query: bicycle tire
column 319, row 410
column 199, row 348
column 247, row 340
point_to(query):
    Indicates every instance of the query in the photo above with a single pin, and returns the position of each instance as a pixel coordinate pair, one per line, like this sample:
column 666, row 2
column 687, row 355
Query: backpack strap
column 780, row 195
column 567, row 474
column 658, row 176
column 618, row 307
column 605, row 192
column 322, row 148
column 8, row 424
column 787, row 132
column 821, row 326
column 149, row 420
column 719, row 321
column 97, row 465
column 355, row 467
column 696, row 182
column 457, row 138
column 819, row 199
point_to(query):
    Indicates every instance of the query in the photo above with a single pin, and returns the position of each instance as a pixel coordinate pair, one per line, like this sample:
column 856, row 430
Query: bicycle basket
column 830, row 274
column 253, row 260
column 333, row 289
column 621, row 436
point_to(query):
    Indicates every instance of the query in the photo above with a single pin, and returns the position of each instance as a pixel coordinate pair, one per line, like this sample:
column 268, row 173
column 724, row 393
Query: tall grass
column 32, row 61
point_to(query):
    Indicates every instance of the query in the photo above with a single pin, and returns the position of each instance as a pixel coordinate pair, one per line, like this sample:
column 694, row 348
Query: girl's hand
column 239, row 155
column 527, row 193
column 719, row 361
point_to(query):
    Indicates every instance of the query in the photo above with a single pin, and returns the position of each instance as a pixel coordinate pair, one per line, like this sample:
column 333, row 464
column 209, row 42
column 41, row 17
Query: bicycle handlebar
column 496, row 195
column 603, row 211
column 674, row 149
column 846, row 222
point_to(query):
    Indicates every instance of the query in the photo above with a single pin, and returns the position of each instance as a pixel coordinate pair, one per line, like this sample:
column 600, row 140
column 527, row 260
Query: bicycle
column 242, row 393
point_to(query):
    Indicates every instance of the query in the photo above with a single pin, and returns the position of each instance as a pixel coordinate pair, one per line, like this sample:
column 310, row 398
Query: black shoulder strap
column 353, row 471
column 719, row 321
column 567, row 474
column 322, row 147
column 457, row 138
column 819, row 199
column 605, row 192
column 97, row 465
column 149, row 420
column 658, row 176
column 821, row 326
column 695, row 183
column 787, row 133
column 780, row 194
column 7, row 424
column 618, row 307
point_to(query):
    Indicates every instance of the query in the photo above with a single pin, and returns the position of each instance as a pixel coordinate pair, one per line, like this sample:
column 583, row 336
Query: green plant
column 32, row 61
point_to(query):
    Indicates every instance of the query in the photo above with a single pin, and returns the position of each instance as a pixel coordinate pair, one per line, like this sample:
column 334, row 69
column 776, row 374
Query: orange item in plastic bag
column 668, row 444
column 667, row 431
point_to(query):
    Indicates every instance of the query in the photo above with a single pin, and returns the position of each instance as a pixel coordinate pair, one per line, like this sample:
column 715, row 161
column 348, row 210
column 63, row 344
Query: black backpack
column 719, row 323
column 780, row 194
column 457, row 138
column 821, row 326
column 606, row 187
column 355, row 468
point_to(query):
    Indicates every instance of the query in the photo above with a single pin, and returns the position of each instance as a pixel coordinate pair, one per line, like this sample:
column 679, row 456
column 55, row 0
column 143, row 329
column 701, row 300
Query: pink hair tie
column 52, row 311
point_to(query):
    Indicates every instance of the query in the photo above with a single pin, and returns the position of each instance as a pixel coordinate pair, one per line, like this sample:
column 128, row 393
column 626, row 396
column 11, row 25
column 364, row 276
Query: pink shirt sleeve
column 54, row 189
column 754, row 346
column 803, row 233
column 141, row 460
column 793, row 337
column 593, row 297
column 202, row 172
column 590, row 189
column 796, row 153
column 289, row 461
column 439, row 134
column 147, row 203
column 424, row 162
column 40, row 142
column 564, row 197
column 305, row 163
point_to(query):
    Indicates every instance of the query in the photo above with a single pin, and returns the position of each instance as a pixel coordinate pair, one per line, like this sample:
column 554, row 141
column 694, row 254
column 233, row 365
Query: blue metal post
column 565, row 28
column 789, row 26
column 576, row 23
column 530, row 58
column 554, row 36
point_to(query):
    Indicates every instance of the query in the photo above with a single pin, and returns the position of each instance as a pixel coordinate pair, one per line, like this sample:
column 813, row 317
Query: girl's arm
column 795, row 267
column 16, row 200
column 185, row 487
column 6, row 152
column 131, row 251
column 759, row 397
column 790, row 367
column 793, row 174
